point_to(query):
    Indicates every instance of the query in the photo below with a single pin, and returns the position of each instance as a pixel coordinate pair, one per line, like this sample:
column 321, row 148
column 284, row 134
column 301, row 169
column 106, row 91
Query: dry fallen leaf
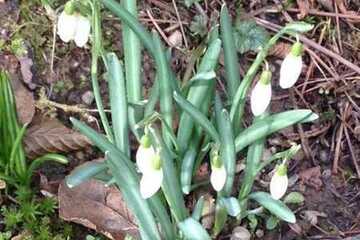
column 280, row 50
column 311, row 177
column 98, row 207
column 26, row 64
column 25, row 103
column 304, row 8
column 49, row 135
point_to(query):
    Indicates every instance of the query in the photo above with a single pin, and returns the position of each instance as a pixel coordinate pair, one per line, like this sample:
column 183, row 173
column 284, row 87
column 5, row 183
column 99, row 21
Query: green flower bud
column 297, row 49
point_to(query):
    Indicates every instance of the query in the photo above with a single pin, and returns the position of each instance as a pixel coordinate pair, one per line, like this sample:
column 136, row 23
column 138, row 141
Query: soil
column 326, row 170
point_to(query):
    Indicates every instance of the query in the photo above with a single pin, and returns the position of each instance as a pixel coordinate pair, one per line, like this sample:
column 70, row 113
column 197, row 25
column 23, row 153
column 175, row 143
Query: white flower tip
column 218, row 178
column 278, row 185
column 73, row 27
column 260, row 98
column 144, row 157
column 150, row 183
column 290, row 70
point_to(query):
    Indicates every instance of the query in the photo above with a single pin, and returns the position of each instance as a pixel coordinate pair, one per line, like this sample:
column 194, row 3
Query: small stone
column 240, row 233
column 88, row 97
column 175, row 39
column 259, row 233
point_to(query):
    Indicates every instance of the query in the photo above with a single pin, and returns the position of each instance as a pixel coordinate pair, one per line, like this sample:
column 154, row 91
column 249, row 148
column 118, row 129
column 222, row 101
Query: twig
column 158, row 28
column 181, row 26
column 313, row 44
column 357, row 168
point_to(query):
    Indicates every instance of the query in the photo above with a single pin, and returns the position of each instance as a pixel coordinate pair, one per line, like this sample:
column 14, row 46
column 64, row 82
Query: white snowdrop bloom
column 72, row 25
column 150, row 182
column 291, row 66
column 218, row 177
column 144, row 155
column 66, row 26
column 82, row 32
column 261, row 94
column 149, row 164
column 279, row 182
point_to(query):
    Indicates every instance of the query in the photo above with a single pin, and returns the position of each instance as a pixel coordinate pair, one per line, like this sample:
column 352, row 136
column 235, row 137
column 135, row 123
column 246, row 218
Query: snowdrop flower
column 279, row 182
column 291, row 66
column 149, row 164
column 261, row 94
column 73, row 26
column 218, row 173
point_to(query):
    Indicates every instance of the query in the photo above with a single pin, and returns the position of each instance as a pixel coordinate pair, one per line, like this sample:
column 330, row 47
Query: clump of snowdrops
column 155, row 183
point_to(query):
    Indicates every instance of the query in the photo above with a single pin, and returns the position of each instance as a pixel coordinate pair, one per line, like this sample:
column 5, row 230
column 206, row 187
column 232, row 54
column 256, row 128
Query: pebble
column 240, row 233
column 88, row 97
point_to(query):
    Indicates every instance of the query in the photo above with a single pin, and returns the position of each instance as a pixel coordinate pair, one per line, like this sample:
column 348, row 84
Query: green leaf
column 198, row 209
column 118, row 103
column 193, row 230
column 197, row 116
column 249, row 36
column 276, row 207
column 272, row 222
column 300, row 27
column 85, row 172
column 227, row 146
column 220, row 219
column 188, row 3
column 232, row 206
column 230, row 56
column 271, row 124
column 294, row 197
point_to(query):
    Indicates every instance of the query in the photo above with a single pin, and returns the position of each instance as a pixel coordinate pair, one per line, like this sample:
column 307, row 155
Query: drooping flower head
column 291, row 66
column 279, row 182
column 218, row 172
column 261, row 94
column 149, row 164
column 72, row 25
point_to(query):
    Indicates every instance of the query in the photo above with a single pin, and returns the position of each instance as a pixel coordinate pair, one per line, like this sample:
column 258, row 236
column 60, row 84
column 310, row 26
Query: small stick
column 357, row 168
column 314, row 45
column 181, row 26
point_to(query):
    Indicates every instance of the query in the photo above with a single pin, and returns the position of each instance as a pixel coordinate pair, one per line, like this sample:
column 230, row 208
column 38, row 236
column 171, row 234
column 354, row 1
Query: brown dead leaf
column 49, row 135
column 280, row 50
column 26, row 64
column 97, row 207
column 304, row 8
column 25, row 103
column 311, row 177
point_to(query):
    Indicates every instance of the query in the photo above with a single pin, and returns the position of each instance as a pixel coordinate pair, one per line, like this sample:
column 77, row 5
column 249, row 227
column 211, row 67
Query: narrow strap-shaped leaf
column 271, row 124
column 231, row 204
column 132, row 57
column 276, row 207
column 193, row 230
column 153, row 98
column 170, row 184
column 118, row 103
column 198, row 93
column 230, row 53
column 126, row 178
column 227, row 144
column 253, row 158
column 198, row 209
column 188, row 162
column 131, row 22
column 197, row 116
column 165, row 85
column 85, row 172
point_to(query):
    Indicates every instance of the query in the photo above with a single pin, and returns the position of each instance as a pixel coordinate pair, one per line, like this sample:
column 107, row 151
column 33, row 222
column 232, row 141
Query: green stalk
column 95, row 54
column 118, row 103
column 164, row 78
column 230, row 53
column 132, row 58
column 237, row 107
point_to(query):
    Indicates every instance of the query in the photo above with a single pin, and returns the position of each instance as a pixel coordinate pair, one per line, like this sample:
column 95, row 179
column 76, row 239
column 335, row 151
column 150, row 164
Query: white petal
column 82, row 31
column 278, row 186
column 150, row 183
column 218, row 178
column 290, row 70
column 66, row 26
column 260, row 98
column 144, row 157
